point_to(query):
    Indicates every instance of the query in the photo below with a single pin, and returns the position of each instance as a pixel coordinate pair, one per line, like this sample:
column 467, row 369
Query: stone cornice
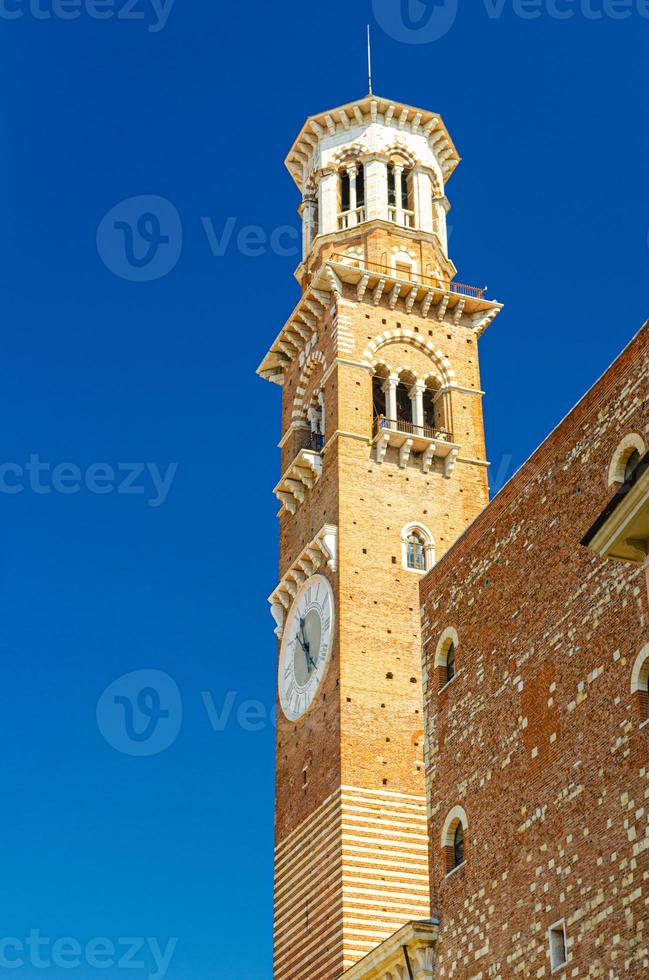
column 443, row 302
column 414, row 947
column 364, row 112
column 415, row 235
column 322, row 550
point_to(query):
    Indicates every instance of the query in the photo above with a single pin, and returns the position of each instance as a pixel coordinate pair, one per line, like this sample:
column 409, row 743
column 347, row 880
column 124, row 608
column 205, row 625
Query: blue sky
column 198, row 104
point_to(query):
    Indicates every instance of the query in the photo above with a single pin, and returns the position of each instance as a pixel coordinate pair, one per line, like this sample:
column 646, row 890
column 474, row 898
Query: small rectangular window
column 558, row 948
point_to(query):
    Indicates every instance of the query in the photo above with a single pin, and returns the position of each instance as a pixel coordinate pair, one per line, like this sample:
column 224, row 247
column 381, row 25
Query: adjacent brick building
column 537, row 763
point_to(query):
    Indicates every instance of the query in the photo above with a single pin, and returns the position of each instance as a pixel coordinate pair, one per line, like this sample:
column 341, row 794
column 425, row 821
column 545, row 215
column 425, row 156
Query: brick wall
column 537, row 737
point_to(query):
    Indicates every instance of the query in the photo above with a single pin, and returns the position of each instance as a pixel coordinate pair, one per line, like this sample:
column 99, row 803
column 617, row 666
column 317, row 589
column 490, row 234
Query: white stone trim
column 429, row 546
column 302, row 475
column 322, row 550
column 448, row 636
column 370, row 355
column 640, row 672
column 314, row 358
column 457, row 815
column 621, row 455
column 404, row 256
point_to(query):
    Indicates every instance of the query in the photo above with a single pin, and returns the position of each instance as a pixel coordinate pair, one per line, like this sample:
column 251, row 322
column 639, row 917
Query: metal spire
column 369, row 57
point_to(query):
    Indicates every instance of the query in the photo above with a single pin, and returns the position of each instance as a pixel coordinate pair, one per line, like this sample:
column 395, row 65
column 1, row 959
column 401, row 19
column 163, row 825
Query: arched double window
column 416, row 556
column 418, row 548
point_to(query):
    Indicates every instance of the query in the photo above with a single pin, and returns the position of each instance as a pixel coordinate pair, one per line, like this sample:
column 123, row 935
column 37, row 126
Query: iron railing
column 409, row 428
column 312, row 441
column 450, row 287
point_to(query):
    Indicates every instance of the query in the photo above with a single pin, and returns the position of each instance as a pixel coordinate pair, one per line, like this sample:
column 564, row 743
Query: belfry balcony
column 405, row 217
column 349, row 219
column 408, row 438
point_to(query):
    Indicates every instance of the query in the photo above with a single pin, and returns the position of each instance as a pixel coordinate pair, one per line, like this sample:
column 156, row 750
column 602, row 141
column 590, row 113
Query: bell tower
column 382, row 467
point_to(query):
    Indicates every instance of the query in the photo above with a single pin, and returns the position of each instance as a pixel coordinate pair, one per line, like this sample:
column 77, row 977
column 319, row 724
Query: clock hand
column 307, row 648
column 304, row 644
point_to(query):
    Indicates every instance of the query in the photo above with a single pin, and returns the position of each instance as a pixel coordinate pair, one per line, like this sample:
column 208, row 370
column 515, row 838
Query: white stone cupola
column 374, row 163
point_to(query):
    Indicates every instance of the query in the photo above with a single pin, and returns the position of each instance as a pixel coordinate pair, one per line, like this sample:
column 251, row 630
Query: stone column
column 423, row 963
column 417, row 397
column 321, row 401
column 328, row 191
column 309, row 231
column 440, row 207
column 376, row 187
column 423, row 194
column 398, row 191
column 390, row 389
column 352, row 173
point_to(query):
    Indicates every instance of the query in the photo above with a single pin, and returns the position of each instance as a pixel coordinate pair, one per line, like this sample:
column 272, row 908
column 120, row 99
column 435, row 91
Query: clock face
column 306, row 646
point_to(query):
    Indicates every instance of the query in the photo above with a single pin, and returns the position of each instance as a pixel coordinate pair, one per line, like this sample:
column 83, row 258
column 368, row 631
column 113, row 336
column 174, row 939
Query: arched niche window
column 640, row 685
column 417, row 548
column 626, row 458
column 446, row 657
column 353, row 257
column 404, row 263
column 454, row 840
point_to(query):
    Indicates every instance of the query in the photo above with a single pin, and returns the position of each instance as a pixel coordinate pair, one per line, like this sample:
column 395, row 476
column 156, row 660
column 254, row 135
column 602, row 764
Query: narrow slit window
column 360, row 186
column 458, row 846
column 392, row 193
column 450, row 663
column 344, row 193
column 631, row 465
column 558, row 946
